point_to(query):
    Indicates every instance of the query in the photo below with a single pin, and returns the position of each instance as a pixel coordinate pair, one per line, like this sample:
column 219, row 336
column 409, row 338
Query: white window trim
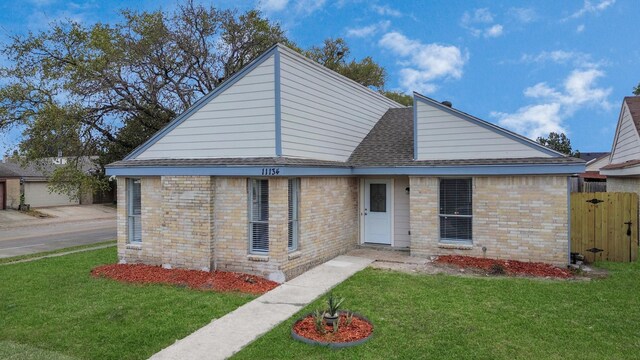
column 451, row 241
column 131, row 218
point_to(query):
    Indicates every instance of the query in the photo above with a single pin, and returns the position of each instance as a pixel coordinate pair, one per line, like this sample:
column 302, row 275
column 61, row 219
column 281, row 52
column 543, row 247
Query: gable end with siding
column 444, row 133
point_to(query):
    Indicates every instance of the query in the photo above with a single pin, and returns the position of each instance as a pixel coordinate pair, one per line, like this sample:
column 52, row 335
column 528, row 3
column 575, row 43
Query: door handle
column 365, row 212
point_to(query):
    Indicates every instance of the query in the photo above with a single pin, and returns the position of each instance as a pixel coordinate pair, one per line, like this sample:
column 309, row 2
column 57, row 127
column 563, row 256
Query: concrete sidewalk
column 225, row 336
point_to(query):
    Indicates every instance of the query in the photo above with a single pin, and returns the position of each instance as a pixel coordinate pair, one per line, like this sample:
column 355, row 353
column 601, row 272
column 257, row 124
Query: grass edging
column 35, row 256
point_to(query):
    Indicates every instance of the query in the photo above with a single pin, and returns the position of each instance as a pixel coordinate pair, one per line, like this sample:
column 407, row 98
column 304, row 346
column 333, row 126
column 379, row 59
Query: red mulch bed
column 201, row 280
column 357, row 330
column 511, row 267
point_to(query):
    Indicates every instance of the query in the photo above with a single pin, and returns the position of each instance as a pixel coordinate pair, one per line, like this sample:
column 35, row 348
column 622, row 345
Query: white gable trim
column 476, row 121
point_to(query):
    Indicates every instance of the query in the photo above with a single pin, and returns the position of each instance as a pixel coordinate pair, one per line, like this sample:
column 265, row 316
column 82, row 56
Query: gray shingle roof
column 9, row 170
column 588, row 156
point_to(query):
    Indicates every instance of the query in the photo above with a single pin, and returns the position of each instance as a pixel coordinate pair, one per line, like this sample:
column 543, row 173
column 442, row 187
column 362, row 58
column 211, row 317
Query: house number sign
column 270, row 171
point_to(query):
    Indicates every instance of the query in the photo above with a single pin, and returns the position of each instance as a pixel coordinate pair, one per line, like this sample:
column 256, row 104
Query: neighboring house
column 591, row 180
column 32, row 179
column 288, row 164
column 33, row 182
column 623, row 170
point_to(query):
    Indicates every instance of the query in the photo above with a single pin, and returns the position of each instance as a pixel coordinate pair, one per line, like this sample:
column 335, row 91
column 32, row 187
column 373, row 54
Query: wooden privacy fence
column 604, row 226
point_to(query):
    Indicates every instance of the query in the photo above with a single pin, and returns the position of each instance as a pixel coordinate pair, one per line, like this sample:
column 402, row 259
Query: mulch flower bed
column 201, row 280
column 511, row 267
column 358, row 329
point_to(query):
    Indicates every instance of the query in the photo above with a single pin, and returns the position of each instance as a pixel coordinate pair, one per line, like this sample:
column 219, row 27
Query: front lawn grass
column 55, row 307
column 449, row 317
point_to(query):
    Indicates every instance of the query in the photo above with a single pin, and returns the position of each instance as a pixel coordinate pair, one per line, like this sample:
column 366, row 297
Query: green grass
column 447, row 317
column 53, row 306
column 52, row 252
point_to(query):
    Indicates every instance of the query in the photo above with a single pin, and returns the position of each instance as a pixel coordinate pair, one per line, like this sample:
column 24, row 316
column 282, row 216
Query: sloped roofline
column 202, row 102
column 338, row 76
column 598, row 159
column 617, row 134
column 485, row 124
column 274, row 50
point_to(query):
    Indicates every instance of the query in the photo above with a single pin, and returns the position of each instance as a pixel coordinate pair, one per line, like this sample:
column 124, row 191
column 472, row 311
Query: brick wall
column 328, row 222
column 196, row 222
column 176, row 226
column 514, row 217
column 231, row 235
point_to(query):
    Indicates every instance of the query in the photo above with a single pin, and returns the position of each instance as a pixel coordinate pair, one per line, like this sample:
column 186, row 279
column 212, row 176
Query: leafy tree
column 404, row 99
column 333, row 55
column 636, row 90
column 103, row 89
column 558, row 142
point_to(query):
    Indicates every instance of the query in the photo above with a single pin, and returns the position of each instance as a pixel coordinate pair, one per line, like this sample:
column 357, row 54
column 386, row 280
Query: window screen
column 259, row 215
column 134, row 210
column 455, row 210
column 294, row 191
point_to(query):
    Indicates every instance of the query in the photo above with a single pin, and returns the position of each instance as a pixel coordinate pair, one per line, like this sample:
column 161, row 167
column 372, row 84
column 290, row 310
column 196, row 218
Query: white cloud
column 423, row 64
column 295, row 8
column 494, row 31
column 589, row 8
column 523, row 15
column 480, row 22
column 555, row 105
column 386, row 11
column 308, row 7
column 575, row 58
column 580, row 28
column 273, row 5
column 479, row 16
column 367, row 31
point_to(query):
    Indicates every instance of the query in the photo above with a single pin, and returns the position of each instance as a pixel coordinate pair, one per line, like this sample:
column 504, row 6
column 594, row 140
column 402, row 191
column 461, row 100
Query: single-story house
column 623, row 170
column 32, row 180
column 16, row 178
column 288, row 164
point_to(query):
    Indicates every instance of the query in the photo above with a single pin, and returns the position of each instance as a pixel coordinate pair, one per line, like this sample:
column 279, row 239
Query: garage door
column 37, row 194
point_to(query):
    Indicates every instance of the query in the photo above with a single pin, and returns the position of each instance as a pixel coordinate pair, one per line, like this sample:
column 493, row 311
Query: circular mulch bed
column 511, row 267
column 201, row 280
column 359, row 331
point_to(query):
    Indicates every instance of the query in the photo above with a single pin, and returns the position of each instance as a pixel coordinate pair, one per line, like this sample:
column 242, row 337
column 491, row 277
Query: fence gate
column 604, row 226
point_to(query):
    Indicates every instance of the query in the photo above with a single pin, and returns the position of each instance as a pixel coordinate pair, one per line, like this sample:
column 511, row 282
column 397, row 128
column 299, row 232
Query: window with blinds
column 134, row 210
column 259, row 215
column 455, row 210
column 294, row 195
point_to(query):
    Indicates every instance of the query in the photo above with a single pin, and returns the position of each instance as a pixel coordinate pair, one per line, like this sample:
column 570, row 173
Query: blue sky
column 530, row 66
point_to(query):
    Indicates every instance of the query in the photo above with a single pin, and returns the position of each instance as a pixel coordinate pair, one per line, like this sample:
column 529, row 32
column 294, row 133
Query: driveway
column 22, row 234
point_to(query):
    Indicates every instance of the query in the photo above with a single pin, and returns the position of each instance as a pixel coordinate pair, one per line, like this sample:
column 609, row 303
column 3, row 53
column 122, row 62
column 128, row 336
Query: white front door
column 377, row 211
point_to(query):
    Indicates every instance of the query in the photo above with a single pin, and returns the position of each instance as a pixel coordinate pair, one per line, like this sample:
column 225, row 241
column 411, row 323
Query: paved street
column 28, row 240
column 22, row 234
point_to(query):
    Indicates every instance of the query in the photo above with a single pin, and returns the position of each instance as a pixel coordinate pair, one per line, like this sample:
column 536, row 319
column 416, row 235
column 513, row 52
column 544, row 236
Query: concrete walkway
column 225, row 336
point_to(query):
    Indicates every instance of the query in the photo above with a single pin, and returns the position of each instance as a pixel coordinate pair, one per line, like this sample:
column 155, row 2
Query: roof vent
column 447, row 103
